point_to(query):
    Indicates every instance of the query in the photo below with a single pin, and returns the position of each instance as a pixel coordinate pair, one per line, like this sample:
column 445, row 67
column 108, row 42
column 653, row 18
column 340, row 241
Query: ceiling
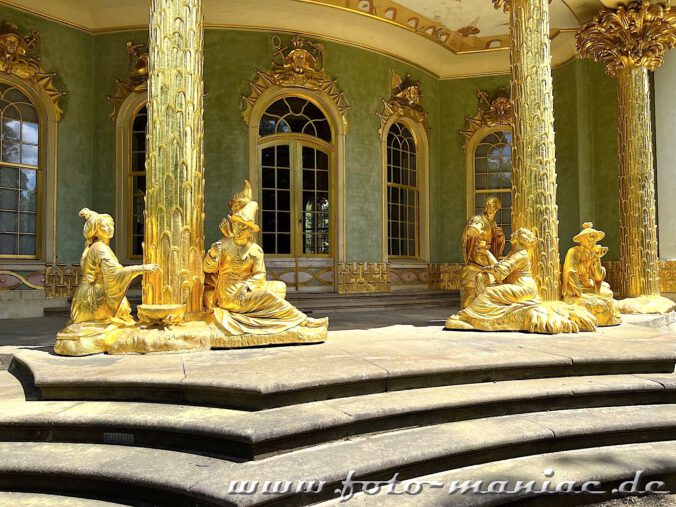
column 447, row 38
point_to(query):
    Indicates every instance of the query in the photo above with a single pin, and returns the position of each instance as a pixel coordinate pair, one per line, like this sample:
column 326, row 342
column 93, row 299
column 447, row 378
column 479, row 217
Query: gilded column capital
column 635, row 35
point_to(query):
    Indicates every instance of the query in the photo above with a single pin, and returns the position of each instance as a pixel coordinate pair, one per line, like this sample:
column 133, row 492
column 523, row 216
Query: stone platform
column 177, row 429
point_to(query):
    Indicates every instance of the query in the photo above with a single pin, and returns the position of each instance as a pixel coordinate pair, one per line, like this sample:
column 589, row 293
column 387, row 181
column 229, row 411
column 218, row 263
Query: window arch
column 295, row 144
column 490, row 174
column 403, row 194
column 21, row 174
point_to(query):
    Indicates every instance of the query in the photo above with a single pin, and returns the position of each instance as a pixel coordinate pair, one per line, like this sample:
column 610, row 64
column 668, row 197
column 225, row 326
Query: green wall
column 585, row 124
column 68, row 52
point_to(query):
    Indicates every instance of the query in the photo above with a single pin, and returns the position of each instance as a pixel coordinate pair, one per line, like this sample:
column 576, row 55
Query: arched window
column 295, row 142
column 403, row 196
column 492, row 175
column 136, row 183
column 20, row 175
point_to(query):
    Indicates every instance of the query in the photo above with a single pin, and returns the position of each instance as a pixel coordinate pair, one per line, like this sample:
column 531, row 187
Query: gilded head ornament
column 588, row 231
column 92, row 221
column 246, row 216
column 635, row 35
column 241, row 198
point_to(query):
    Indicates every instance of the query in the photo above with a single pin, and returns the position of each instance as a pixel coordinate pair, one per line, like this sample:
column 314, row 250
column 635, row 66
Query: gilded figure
column 483, row 243
column 508, row 298
column 242, row 302
column 583, row 277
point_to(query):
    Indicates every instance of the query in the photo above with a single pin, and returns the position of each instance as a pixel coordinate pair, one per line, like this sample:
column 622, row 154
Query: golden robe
column 502, row 307
column 242, row 301
column 100, row 297
column 483, row 242
column 583, row 285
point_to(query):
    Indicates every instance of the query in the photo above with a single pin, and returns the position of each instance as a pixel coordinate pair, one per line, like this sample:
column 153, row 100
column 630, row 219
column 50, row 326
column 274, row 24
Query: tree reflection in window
column 402, row 193
column 295, row 115
column 493, row 176
column 137, row 182
column 19, row 173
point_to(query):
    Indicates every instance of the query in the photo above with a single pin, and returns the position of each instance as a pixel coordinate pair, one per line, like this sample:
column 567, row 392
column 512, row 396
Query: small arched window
column 402, row 193
column 20, row 175
column 136, row 183
column 295, row 143
column 493, row 175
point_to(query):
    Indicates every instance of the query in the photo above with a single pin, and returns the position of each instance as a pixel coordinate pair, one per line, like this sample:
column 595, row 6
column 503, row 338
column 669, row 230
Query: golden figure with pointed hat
column 482, row 245
column 99, row 304
column 242, row 303
column 583, row 277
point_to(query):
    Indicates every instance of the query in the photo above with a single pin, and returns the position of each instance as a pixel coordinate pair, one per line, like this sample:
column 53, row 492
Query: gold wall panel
column 445, row 276
column 363, row 277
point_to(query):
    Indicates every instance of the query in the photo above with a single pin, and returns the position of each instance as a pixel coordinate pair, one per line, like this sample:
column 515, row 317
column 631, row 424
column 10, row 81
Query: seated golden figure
column 482, row 242
column 508, row 300
column 242, row 302
column 583, row 277
column 99, row 301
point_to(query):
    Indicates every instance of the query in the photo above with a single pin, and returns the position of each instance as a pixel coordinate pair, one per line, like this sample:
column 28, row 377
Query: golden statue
column 99, row 305
column 583, row 277
column 240, row 301
column 508, row 300
column 482, row 242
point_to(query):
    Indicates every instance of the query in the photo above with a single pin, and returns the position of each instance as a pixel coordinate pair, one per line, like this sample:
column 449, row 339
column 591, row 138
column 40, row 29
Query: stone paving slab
column 349, row 356
column 39, row 500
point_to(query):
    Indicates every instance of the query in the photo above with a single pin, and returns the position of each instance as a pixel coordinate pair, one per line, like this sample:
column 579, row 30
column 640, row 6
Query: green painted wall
column 69, row 53
column 585, row 123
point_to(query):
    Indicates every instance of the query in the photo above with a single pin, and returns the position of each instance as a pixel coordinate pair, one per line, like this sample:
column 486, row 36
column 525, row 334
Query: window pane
column 9, row 244
column 8, row 221
column 29, row 132
column 27, row 244
column 295, row 115
column 11, row 152
column 29, row 154
column 9, row 177
column 9, row 199
column 11, row 130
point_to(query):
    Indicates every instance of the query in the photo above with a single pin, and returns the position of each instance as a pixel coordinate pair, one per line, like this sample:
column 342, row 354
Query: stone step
column 17, row 499
column 174, row 478
column 240, row 435
column 393, row 358
column 332, row 302
column 609, row 466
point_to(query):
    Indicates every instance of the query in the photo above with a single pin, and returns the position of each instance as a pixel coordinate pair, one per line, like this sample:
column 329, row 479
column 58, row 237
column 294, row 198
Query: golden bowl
column 161, row 314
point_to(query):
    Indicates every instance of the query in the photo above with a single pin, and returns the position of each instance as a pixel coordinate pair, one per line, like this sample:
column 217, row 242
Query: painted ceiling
column 447, row 38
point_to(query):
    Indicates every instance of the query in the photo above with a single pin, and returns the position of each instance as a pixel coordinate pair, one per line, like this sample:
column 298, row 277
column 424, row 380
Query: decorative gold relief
column 16, row 58
column 174, row 226
column 668, row 277
column 298, row 66
column 635, row 35
column 137, row 55
column 363, row 277
column 446, row 276
column 533, row 157
column 490, row 113
column 61, row 280
column 630, row 41
column 405, row 100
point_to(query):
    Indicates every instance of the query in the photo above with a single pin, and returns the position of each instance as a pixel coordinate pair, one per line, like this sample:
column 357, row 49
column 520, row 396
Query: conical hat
column 241, row 198
column 247, row 216
column 588, row 230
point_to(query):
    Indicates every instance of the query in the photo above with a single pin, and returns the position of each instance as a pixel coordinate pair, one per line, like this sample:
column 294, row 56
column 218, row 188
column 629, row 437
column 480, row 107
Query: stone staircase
column 180, row 429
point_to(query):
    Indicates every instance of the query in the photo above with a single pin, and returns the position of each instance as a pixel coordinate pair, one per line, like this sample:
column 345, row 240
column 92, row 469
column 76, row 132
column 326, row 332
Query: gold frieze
column 17, row 58
column 405, row 100
column 137, row 81
column 297, row 65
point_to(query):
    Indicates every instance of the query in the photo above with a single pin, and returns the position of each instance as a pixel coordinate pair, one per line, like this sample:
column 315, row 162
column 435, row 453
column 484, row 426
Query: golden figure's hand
column 151, row 268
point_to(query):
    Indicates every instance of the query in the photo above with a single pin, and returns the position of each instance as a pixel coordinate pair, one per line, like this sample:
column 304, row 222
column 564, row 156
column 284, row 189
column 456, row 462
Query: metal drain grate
column 118, row 438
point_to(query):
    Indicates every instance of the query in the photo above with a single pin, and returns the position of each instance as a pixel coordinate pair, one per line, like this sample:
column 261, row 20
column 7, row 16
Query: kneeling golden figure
column 99, row 305
column 246, row 308
column 508, row 300
column 583, row 277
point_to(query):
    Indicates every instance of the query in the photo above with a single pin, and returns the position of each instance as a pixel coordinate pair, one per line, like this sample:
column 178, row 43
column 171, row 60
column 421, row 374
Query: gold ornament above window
column 495, row 113
column 406, row 100
column 297, row 65
column 137, row 55
column 16, row 59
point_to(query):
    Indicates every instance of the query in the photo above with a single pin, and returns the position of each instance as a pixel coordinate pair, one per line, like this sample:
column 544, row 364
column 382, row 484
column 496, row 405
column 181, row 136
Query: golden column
column 629, row 41
column 174, row 234
column 533, row 159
